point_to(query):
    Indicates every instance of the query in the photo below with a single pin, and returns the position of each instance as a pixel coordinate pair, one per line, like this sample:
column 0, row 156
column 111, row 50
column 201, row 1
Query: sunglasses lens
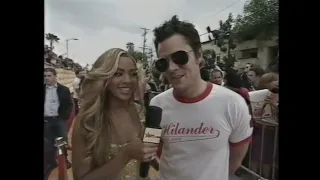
column 180, row 57
column 161, row 65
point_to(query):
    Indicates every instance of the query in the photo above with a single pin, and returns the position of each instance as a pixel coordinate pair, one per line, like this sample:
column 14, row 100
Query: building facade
column 256, row 52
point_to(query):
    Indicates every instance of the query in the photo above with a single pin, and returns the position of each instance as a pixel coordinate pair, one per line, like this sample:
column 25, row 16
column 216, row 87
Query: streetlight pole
column 67, row 44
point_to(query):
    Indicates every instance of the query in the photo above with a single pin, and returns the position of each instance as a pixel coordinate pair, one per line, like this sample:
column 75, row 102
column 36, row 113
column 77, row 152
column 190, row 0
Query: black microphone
column 152, row 133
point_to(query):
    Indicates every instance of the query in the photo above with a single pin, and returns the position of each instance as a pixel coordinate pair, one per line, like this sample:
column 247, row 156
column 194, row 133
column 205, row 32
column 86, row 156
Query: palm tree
column 52, row 38
column 130, row 47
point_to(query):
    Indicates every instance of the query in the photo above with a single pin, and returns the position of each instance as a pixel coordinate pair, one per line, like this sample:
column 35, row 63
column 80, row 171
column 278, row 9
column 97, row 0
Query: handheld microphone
column 152, row 133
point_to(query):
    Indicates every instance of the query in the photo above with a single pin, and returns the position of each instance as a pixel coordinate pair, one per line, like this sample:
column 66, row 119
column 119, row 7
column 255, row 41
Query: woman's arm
column 81, row 169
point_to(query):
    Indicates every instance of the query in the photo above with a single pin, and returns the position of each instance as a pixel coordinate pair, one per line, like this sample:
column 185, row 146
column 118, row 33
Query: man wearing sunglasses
column 206, row 127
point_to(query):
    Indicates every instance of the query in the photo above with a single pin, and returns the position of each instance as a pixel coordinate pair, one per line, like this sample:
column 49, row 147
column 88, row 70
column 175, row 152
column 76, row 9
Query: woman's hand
column 138, row 150
column 272, row 100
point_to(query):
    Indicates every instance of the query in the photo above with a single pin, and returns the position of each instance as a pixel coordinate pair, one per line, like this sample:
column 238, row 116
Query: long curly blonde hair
column 93, row 122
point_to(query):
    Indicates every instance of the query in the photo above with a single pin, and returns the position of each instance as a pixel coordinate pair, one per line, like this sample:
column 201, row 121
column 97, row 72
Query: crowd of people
column 255, row 78
column 207, row 127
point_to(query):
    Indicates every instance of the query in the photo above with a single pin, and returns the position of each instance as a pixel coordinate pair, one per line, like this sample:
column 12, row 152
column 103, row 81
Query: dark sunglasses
column 178, row 57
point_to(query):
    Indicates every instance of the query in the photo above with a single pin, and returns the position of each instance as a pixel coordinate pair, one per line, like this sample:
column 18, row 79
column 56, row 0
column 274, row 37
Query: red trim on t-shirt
column 245, row 141
column 159, row 152
column 202, row 96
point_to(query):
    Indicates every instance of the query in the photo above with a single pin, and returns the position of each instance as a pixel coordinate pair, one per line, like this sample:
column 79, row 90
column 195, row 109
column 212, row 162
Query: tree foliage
column 130, row 47
column 52, row 39
column 224, row 39
column 259, row 21
column 135, row 54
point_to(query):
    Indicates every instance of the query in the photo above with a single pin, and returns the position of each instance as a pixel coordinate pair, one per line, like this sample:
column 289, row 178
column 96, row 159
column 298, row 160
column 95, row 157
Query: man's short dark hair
column 205, row 75
column 175, row 26
column 258, row 71
column 54, row 72
column 233, row 80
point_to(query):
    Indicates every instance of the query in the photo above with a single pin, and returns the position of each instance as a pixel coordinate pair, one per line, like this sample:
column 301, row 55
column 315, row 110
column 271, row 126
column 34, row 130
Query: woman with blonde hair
column 268, row 81
column 106, row 138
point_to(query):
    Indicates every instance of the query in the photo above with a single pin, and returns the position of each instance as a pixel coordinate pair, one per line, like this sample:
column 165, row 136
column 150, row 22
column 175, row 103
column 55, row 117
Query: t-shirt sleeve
column 240, row 122
column 154, row 102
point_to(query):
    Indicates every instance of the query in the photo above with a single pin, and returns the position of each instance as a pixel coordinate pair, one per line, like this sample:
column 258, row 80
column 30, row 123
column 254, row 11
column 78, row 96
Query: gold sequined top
column 131, row 170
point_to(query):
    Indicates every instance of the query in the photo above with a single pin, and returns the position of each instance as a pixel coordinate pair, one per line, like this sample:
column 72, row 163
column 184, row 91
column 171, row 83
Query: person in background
column 267, row 81
column 273, row 101
column 232, row 81
column 153, row 85
column 154, row 89
column 254, row 75
column 143, row 88
column 76, row 89
column 205, row 74
column 57, row 109
column 217, row 77
column 244, row 76
column 106, row 136
column 165, row 85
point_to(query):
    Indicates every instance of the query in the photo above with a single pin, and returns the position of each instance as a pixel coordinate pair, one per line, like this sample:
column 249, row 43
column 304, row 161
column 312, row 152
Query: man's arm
column 240, row 137
column 237, row 153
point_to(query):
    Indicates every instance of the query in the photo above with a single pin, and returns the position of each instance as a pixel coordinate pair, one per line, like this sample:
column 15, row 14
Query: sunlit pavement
column 153, row 175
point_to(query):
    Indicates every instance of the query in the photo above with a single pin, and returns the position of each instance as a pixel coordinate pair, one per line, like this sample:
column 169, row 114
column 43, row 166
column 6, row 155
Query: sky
column 103, row 24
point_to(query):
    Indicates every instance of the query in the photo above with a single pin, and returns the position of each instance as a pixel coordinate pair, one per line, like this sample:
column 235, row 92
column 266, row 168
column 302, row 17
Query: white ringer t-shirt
column 198, row 132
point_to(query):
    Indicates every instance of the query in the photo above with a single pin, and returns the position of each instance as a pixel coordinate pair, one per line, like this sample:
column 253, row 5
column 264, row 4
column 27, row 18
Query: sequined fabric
column 131, row 170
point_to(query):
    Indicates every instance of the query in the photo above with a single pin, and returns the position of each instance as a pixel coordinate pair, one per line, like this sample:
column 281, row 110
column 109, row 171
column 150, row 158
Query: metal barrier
column 264, row 123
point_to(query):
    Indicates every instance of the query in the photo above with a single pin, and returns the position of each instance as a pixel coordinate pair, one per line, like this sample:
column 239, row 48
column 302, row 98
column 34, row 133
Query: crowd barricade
column 264, row 125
